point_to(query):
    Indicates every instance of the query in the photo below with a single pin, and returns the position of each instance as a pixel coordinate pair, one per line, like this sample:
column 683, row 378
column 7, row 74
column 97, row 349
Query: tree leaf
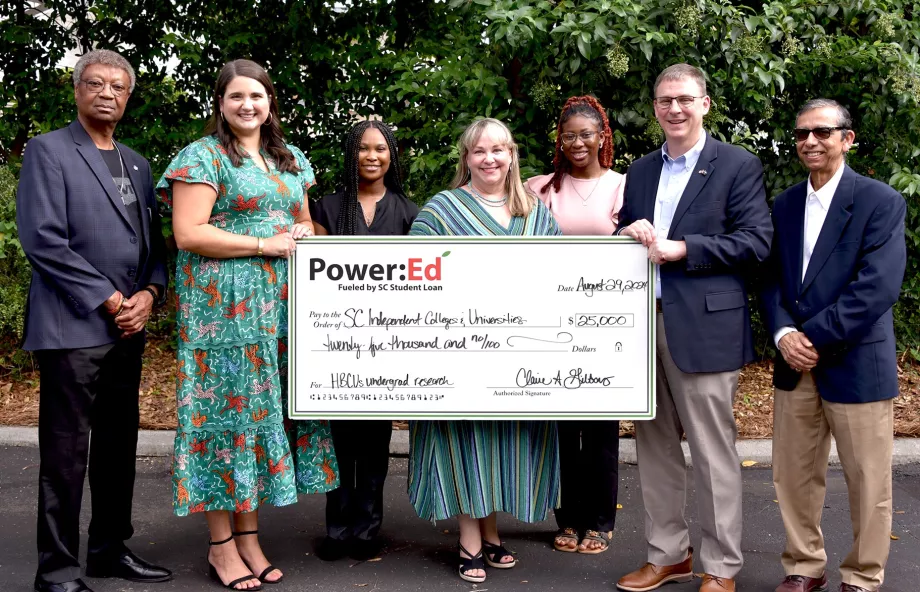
column 646, row 48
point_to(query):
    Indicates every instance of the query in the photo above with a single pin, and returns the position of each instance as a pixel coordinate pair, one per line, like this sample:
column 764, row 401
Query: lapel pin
column 135, row 168
column 702, row 172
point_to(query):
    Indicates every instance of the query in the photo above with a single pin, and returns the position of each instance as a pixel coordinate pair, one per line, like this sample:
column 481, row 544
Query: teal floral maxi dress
column 232, row 450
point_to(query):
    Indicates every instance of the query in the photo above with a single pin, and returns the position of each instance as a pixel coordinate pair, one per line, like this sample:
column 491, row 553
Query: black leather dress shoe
column 71, row 586
column 363, row 549
column 125, row 565
column 331, row 549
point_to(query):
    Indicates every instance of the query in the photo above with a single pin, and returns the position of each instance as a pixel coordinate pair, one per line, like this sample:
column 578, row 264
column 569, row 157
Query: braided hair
column 392, row 179
column 591, row 108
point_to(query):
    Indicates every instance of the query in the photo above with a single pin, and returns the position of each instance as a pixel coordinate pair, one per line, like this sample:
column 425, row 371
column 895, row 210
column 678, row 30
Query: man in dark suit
column 699, row 206
column 837, row 265
column 89, row 226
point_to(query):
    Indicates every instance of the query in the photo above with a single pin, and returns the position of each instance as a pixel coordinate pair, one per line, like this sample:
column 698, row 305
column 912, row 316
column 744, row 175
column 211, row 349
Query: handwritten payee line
column 458, row 327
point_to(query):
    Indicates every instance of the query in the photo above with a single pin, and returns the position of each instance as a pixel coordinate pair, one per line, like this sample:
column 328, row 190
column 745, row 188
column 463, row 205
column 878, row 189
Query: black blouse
column 394, row 214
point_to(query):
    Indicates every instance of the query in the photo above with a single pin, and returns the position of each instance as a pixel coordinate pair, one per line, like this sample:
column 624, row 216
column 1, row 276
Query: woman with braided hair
column 585, row 197
column 370, row 201
column 583, row 194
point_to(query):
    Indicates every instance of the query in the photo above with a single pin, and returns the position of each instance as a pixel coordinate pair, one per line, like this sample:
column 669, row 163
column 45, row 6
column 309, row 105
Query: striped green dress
column 480, row 467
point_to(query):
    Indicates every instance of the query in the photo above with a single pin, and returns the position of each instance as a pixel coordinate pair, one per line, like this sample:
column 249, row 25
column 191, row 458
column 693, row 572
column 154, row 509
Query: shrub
column 14, row 277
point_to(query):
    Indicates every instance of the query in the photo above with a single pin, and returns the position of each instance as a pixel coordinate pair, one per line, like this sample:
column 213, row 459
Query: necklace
column 492, row 203
column 370, row 215
column 121, row 162
column 584, row 200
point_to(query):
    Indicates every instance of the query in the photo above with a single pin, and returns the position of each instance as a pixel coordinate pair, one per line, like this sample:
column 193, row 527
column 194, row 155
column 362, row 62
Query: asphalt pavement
column 422, row 556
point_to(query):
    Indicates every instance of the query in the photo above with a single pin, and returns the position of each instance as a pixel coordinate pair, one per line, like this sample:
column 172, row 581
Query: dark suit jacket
column 724, row 219
column 844, row 303
column 76, row 233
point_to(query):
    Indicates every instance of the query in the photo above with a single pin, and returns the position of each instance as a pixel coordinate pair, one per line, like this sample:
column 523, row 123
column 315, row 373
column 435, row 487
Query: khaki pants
column 802, row 428
column 699, row 405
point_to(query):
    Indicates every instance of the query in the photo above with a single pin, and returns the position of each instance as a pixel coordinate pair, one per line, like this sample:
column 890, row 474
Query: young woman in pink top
column 582, row 192
column 585, row 197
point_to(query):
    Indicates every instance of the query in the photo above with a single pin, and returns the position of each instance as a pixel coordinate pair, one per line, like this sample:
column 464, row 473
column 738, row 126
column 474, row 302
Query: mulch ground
column 753, row 402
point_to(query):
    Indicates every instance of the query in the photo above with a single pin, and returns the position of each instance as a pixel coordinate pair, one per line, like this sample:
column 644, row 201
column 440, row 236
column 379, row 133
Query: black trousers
column 85, row 389
column 589, row 474
column 355, row 509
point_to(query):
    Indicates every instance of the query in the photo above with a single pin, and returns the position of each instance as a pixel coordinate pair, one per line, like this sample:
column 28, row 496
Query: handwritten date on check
column 471, row 328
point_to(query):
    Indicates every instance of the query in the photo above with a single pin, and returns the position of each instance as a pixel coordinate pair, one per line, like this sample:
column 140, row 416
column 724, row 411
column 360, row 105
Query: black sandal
column 569, row 534
column 494, row 555
column 469, row 564
column 212, row 571
column 265, row 571
column 599, row 536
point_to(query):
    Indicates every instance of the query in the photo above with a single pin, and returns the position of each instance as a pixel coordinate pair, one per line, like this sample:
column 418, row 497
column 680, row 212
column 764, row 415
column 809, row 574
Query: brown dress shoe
column 803, row 584
column 851, row 588
column 651, row 576
column 717, row 584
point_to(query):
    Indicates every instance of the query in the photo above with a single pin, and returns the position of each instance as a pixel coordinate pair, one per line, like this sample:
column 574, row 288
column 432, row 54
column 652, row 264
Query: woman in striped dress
column 473, row 469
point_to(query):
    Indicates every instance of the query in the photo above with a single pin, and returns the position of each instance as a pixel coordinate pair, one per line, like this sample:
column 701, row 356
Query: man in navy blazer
column 700, row 207
column 89, row 226
column 837, row 265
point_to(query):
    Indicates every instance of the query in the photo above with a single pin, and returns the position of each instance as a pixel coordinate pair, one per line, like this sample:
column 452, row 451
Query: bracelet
column 121, row 305
column 261, row 246
column 152, row 293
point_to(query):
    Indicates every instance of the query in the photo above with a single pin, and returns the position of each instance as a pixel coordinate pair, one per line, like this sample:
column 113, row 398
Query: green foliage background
column 430, row 68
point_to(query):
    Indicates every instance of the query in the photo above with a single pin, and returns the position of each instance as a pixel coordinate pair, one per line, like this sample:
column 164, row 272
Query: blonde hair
column 520, row 201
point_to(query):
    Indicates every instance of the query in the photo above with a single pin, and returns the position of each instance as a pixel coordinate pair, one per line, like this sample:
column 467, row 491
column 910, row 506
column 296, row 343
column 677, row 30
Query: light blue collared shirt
column 675, row 174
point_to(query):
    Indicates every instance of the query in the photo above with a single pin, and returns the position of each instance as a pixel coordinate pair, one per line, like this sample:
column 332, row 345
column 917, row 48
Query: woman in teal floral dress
column 238, row 203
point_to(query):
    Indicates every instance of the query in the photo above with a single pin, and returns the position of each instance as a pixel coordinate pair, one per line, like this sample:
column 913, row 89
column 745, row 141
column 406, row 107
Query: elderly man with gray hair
column 89, row 226
column 838, row 261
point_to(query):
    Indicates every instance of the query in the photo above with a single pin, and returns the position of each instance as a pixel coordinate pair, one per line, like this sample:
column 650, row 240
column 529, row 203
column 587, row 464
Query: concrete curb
column 160, row 443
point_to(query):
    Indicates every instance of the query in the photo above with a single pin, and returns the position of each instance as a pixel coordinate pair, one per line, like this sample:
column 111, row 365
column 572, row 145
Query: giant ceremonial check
column 471, row 328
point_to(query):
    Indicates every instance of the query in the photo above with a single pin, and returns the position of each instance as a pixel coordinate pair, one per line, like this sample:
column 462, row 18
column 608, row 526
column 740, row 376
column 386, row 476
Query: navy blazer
column 854, row 277
column 75, row 231
column 724, row 219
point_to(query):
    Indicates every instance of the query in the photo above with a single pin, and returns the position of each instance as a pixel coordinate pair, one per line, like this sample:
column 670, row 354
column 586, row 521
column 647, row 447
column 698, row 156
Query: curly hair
column 392, row 179
column 106, row 58
column 591, row 108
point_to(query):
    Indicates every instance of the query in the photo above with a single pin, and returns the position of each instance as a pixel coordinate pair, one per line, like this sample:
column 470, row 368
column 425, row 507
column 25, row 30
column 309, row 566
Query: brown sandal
column 569, row 534
column 601, row 537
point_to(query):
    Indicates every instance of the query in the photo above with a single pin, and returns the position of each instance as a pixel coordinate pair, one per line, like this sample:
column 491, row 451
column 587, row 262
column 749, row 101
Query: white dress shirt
column 675, row 174
column 817, row 204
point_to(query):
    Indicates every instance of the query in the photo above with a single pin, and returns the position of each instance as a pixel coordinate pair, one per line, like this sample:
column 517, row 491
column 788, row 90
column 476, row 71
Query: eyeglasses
column 821, row 133
column 570, row 137
column 665, row 102
column 95, row 87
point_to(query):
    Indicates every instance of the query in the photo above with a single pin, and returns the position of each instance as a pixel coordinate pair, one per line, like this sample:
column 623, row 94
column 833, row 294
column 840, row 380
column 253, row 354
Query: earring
column 269, row 120
column 222, row 116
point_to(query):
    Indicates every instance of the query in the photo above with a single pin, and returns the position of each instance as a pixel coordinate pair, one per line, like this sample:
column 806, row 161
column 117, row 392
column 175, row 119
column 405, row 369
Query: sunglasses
column 821, row 133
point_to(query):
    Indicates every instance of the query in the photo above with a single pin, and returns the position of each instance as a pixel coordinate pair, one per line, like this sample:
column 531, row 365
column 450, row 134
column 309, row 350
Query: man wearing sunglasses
column 700, row 207
column 837, row 265
column 89, row 225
